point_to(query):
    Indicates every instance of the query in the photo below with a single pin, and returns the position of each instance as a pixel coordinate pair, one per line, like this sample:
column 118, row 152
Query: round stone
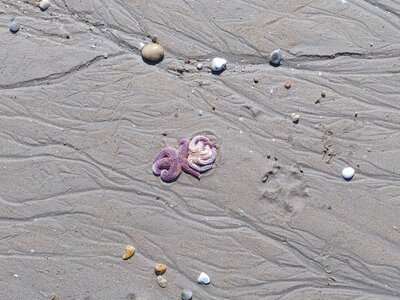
column 218, row 64
column 153, row 52
column 44, row 4
column 203, row 278
column 275, row 57
column 14, row 26
column 348, row 173
column 186, row 295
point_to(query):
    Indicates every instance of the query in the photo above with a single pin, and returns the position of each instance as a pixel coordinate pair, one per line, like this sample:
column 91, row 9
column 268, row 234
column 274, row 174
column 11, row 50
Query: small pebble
column 199, row 66
column 186, row 295
column 275, row 57
column 203, row 278
column 288, row 85
column 141, row 45
column 323, row 94
column 162, row 281
column 200, row 113
column 44, row 4
column 218, row 64
column 153, row 52
column 187, row 62
column 295, row 117
column 255, row 80
column 128, row 253
column 160, row 269
column 348, row 173
column 13, row 26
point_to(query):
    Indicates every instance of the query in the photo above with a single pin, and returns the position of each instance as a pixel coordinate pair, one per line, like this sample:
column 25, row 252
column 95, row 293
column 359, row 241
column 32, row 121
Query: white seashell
column 295, row 117
column 218, row 64
column 348, row 173
column 199, row 66
column 44, row 4
column 141, row 45
column 275, row 57
column 162, row 281
column 203, row 278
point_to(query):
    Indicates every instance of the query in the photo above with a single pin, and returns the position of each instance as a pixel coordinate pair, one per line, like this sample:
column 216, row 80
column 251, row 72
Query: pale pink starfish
column 169, row 162
column 202, row 153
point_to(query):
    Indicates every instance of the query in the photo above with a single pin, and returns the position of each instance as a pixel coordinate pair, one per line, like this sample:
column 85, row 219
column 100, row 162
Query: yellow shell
column 153, row 52
column 160, row 269
column 129, row 251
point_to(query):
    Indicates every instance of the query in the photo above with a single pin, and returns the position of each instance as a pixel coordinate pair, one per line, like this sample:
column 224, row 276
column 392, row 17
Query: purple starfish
column 169, row 162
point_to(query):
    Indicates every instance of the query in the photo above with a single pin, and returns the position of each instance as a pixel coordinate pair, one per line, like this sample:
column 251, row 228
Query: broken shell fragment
column 295, row 117
column 128, row 253
column 160, row 269
column 162, row 282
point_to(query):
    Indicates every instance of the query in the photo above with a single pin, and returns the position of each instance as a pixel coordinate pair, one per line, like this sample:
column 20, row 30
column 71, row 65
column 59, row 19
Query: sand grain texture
column 82, row 117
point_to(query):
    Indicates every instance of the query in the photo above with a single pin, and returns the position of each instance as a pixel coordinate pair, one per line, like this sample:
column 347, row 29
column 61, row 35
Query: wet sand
column 82, row 117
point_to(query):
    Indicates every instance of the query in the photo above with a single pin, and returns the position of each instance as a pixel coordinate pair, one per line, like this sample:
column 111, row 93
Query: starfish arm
column 183, row 148
column 199, row 138
column 170, row 174
column 199, row 168
column 166, row 152
column 187, row 169
column 211, row 159
column 160, row 165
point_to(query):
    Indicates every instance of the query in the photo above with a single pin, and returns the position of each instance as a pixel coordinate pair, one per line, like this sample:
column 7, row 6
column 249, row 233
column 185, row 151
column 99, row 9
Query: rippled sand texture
column 82, row 117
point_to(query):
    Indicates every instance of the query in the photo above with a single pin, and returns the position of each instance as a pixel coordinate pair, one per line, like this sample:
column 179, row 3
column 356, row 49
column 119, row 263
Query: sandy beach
column 82, row 117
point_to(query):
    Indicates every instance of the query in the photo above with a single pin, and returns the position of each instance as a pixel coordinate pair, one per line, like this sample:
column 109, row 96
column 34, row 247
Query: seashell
column 288, row 85
column 348, row 173
column 199, row 66
column 186, row 295
column 153, row 52
column 162, row 281
column 203, row 278
column 13, row 26
column 218, row 64
column 295, row 117
column 160, row 269
column 44, row 4
column 275, row 57
column 128, row 253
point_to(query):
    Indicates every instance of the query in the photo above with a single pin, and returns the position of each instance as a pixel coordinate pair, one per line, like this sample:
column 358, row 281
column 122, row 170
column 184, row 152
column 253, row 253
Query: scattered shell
column 160, row 269
column 203, row 278
column 348, row 173
column 275, row 57
column 288, row 85
column 44, row 4
column 162, row 281
column 255, row 80
column 218, row 64
column 129, row 251
column 199, row 66
column 52, row 296
column 186, row 295
column 323, row 94
column 295, row 117
column 153, row 52
column 13, row 26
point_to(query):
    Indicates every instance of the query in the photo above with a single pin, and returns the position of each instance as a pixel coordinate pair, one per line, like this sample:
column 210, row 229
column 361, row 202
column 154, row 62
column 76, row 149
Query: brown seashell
column 153, row 52
column 288, row 85
column 160, row 269
column 129, row 251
